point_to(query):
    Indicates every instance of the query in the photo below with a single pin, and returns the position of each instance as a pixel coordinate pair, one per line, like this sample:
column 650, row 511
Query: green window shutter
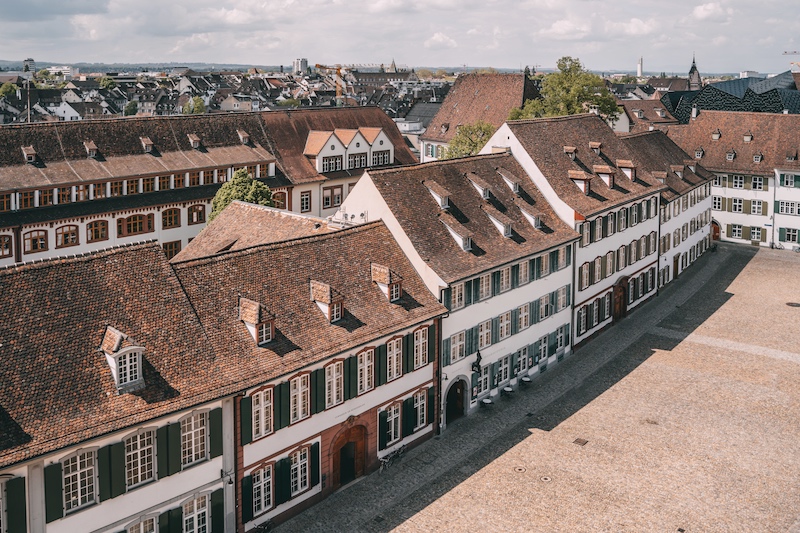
column 531, row 269
column 315, row 464
column 246, row 413
column 746, row 233
column 535, row 347
column 104, row 473
column 409, row 414
column 566, row 334
column 445, row 351
column 431, row 404
column 176, row 520
column 446, row 298
column 514, row 276
column 163, row 522
column 432, row 343
column 495, row 283
column 475, row 333
column 174, row 445
column 215, row 432
column 476, row 290
column 467, row 293
column 495, row 330
column 469, row 349
column 283, row 481
column 728, row 230
column 381, row 365
column 538, row 268
column 312, row 388
column 285, row 404
column 118, row 481
column 605, row 226
column 551, row 343
column 475, row 378
column 569, row 255
column 782, row 234
column 515, row 363
column 515, row 321
column 591, row 272
column 320, row 389
column 591, row 230
column 347, row 377
column 53, row 495
column 16, row 506
column 247, row 498
column 383, row 429
column 408, row 353
column 217, row 512
column 569, row 296
column 162, row 451
column 353, row 373
column 777, row 207
column 554, row 261
column 534, row 311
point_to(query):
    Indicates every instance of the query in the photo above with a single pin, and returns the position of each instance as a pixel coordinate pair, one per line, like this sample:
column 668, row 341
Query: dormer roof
column 147, row 144
column 321, row 292
column 512, row 180
column 194, row 140
column 480, row 185
column 383, row 274
column 252, row 312
column 244, row 137
column 112, row 340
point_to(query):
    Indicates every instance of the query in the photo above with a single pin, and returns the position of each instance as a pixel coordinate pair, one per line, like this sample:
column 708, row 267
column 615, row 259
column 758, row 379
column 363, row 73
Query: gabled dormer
column 244, row 137
column 510, row 179
column 439, row 193
column 791, row 155
column 500, row 221
column 147, row 144
column 571, row 151
column 606, row 174
column 91, row 149
column 758, row 157
column 329, row 301
column 194, row 140
column 638, row 113
column 481, row 186
column 29, row 154
column 530, row 215
column 124, row 358
column 661, row 112
column 690, row 164
column 660, row 175
column 698, row 153
column 678, row 170
column 459, row 233
column 730, row 155
column 389, row 282
column 582, row 180
column 259, row 321
column 716, row 134
column 748, row 137
column 595, row 146
column 627, row 167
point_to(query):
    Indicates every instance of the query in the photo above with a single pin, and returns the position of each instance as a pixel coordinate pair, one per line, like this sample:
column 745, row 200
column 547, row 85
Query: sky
column 724, row 35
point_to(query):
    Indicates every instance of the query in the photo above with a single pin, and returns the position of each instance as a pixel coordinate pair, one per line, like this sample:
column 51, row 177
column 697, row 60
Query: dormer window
column 265, row 332
column 445, row 127
column 388, row 281
column 395, row 290
column 124, row 358
column 439, row 193
column 260, row 323
column 606, row 174
column 329, row 301
column 627, row 168
column 194, row 140
column 534, row 220
column 481, row 186
column 510, row 179
column 581, row 179
column 791, row 156
column 677, row 169
column 91, row 149
column 244, row 137
column 459, row 233
column 757, row 157
column 660, row 112
column 335, row 312
column 698, row 154
column 748, row 136
column 595, row 146
column 716, row 134
column 29, row 153
column 731, row 155
column 147, row 144
column 638, row 113
column 571, row 151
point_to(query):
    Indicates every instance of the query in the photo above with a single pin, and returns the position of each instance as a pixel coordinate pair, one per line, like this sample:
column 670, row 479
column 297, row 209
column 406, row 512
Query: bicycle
column 393, row 457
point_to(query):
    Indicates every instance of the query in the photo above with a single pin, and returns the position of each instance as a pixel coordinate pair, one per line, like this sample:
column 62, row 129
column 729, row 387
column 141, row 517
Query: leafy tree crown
column 241, row 187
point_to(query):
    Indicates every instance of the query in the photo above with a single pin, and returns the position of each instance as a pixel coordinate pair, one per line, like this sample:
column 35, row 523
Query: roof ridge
column 440, row 162
column 551, row 119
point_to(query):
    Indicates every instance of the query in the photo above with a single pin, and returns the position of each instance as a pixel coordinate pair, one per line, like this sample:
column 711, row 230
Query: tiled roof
column 315, row 142
column 660, row 154
column 288, row 131
column 774, row 136
column 57, row 388
column 278, row 277
column 242, row 225
column 669, row 84
column 544, row 141
column 424, row 221
column 474, row 97
column 649, row 110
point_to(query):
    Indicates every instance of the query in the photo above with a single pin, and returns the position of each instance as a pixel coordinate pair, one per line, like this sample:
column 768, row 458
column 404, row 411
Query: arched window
column 35, row 241
column 171, row 218
column 279, row 200
column 97, row 231
column 134, row 225
column 197, row 214
column 67, row 236
column 5, row 245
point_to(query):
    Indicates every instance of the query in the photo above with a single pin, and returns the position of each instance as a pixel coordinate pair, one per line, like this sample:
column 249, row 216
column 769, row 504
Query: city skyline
column 414, row 33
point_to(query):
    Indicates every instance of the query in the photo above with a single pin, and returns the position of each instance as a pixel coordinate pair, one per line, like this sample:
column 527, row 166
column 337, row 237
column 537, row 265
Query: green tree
column 131, row 108
column 424, row 74
column 469, row 139
column 486, row 70
column 626, row 79
column 106, row 82
column 194, row 106
column 43, row 74
column 569, row 91
column 440, row 73
column 8, row 88
column 289, row 102
column 241, row 187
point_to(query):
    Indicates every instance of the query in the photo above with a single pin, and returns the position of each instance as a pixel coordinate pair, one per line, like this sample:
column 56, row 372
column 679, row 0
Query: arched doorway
column 454, row 408
column 714, row 230
column 621, row 298
column 348, row 454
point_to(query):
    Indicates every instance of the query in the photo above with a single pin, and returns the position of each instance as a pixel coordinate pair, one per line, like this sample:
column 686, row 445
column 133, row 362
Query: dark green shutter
column 591, row 230
column 408, row 416
column 495, row 333
column 215, row 432
column 53, row 495
column 432, row 343
column 353, row 373
column 315, row 464
column 467, row 293
column 246, row 414
column 16, row 512
column 162, row 451
column 475, row 378
column 475, row 332
column 777, row 207
column 554, row 261
column 569, row 296
column 495, row 283
column 431, row 404
column 277, row 404
column 408, row 353
column 104, row 473
column 536, row 351
column 551, row 343
column 514, row 276
column 217, row 512
column 285, row 404
column 118, row 478
column 348, row 377
column 383, row 429
column 171, row 521
column 534, row 311
column 469, row 349
column 532, row 356
column 163, row 522
column 781, row 234
column 569, row 255
column 174, row 445
column 313, row 378
column 247, row 498
column 531, row 269
column 515, row 363
column 446, row 298
column 283, row 481
column 381, row 365
column 538, row 267
column 515, row 321
column 445, row 351
column 317, row 384
column 567, row 328
column 476, row 290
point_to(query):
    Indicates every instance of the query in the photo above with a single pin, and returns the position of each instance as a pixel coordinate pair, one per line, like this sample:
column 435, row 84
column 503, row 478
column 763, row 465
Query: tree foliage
column 131, row 108
column 8, row 88
column 241, row 187
column 424, row 74
column 468, row 140
column 194, row 106
column 290, row 102
column 106, row 82
column 569, row 91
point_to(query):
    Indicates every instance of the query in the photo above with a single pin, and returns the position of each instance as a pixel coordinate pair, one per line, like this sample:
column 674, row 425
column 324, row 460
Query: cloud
column 38, row 10
column 567, row 30
column 712, row 12
column 634, row 27
column 440, row 41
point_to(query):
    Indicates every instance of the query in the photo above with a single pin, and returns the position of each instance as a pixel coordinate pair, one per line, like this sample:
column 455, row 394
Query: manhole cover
column 546, row 479
column 793, row 304
column 519, row 469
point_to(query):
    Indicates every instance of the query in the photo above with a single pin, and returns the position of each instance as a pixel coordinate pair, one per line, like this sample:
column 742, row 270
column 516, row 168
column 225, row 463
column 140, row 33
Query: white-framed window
column 676, row 236
column 503, row 369
column 420, row 404
column 79, row 480
column 755, row 234
column 139, row 457
column 483, row 380
column 543, row 348
column 596, row 312
column 334, row 383
column 523, row 317
column 457, row 296
column 791, row 235
column 264, row 332
column 736, row 231
column 457, row 346
column 755, row 207
column 366, row 371
column 787, row 180
column 581, row 320
column 522, row 357
column 262, row 489
column 524, row 272
column 611, row 225
column 717, row 182
column 194, row 438
column 622, row 258
column 544, row 307
column 299, row 398
column 643, row 245
column 145, row 525
column 610, row 263
column 757, row 183
column 737, row 205
column 737, row 182
column 787, row 208
column 545, row 261
column 485, row 334
column 128, row 367
column 504, row 325
column 420, row 347
column 305, row 201
column 622, row 220
column 598, row 269
column 561, row 298
column 261, row 403
column 394, row 359
column 393, row 423
column 634, row 211
column 560, row 337
column 716, row 203
column 584, row 275
column 608, row 305
column 598, row 229
column 505, row 279
column 299, row 471
column 586, row 235
column 395, row 291
column 676, row 208
column 484, row 286
column 336, row 311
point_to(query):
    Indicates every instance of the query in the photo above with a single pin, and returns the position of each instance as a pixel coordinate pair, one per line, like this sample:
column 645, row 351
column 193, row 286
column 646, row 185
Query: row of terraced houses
column 260, row 364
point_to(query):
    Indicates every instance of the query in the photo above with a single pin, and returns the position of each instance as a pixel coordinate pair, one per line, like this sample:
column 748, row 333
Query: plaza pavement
column 689, row 407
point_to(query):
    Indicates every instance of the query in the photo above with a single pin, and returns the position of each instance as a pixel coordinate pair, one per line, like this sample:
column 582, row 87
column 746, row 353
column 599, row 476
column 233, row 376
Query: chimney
column 694, row 111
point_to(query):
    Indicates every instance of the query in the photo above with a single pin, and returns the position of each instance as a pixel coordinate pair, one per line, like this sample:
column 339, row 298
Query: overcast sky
column 725, row 35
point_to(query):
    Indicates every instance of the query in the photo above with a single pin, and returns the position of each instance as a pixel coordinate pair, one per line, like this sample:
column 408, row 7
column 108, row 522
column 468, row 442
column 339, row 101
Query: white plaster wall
column 746, row 219
column 677, row 222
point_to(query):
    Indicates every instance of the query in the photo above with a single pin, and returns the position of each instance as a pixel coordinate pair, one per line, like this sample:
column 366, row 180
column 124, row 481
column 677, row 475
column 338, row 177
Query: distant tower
column 29, row 65
column 299, row 66
column 695, row 81
column 639, row 68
